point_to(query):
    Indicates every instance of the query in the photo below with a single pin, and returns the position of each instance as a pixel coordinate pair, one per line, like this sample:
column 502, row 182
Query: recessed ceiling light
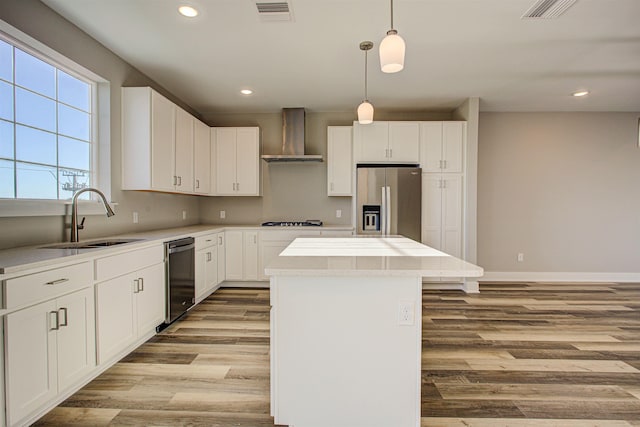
column 246, row 91
column 581, row 93
column 188, row 11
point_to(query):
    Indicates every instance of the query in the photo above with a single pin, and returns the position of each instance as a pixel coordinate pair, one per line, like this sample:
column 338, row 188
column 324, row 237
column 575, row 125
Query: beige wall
column 292, row 191
column 561, row 188
column 156, row 210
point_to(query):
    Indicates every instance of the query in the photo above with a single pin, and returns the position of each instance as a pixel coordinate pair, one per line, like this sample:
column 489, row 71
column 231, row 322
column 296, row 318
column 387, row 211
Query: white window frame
column 100, row 128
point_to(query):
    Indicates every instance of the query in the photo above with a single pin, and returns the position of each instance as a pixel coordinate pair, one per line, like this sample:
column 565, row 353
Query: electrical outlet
column 520, row 257
column 184, row 215
column 223, row 214
column 338, row 213
column 135, row 217
column 406, row 312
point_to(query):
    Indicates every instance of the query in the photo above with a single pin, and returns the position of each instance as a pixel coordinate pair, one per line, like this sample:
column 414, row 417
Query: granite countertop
column 360, row 256
column 25, row 258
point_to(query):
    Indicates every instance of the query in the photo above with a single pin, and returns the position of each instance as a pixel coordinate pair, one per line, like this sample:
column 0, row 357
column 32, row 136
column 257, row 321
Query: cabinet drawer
column 123, row 263
column 286, row 235
column 47, row 284
column 206, row 241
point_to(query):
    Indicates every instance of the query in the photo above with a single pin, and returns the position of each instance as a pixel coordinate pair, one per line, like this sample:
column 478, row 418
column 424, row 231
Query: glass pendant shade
column 392, row 50
column 365, row 113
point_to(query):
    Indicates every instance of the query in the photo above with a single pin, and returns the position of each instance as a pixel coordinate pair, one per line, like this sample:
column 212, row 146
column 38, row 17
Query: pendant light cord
column 392, row 14
column 366, row 52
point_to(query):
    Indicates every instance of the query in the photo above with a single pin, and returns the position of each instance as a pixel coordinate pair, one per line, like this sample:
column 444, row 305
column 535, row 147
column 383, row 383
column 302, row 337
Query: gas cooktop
column 307, row 223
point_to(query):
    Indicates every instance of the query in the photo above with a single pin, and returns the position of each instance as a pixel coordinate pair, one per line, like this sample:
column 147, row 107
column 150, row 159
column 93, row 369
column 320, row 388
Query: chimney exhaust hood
column 292, row 139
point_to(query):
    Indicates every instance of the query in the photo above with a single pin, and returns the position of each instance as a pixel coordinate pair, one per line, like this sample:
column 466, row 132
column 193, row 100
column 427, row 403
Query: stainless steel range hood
column 292, row 139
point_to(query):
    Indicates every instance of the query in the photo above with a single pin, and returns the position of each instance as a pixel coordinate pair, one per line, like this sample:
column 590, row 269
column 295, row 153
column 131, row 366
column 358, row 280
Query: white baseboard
column 541, row 276
column 233, row 284
column 468, row 287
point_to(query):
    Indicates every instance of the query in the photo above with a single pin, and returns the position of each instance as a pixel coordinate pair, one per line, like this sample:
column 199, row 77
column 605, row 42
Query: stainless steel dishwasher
column 181, row 289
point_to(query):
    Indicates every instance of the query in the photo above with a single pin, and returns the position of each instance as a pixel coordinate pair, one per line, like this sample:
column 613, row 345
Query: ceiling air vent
column 274, row 11
column 546, row 9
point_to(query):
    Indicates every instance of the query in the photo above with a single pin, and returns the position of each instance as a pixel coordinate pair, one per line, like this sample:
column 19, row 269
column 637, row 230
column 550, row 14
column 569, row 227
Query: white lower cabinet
column 206, row 278
column 128, row 307
column 241, row 255
column 222, row 268
column 49, row 347
column 442, row 212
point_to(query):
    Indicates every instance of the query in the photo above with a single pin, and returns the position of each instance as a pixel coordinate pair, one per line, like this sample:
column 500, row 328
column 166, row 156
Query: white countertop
column 22, row 259
column 360, row 256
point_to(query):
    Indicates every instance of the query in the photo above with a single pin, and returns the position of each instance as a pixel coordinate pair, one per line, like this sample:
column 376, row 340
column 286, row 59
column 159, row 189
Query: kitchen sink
column 90, row 245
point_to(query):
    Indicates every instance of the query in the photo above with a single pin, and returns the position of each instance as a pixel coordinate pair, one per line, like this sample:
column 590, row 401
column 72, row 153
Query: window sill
column 17, row 208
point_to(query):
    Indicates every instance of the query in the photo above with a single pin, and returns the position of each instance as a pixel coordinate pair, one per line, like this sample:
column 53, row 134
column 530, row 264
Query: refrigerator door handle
column 383, row 211
column 388, row 215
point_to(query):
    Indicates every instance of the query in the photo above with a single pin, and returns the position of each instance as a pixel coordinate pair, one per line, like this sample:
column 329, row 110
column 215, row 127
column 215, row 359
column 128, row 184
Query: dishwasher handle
column 176, row 249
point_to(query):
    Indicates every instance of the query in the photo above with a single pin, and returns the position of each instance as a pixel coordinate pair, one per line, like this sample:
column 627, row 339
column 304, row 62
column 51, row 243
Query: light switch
column 223, row 214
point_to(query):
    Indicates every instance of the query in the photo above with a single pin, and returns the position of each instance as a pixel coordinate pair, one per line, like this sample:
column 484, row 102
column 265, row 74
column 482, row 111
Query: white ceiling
column 455, row 49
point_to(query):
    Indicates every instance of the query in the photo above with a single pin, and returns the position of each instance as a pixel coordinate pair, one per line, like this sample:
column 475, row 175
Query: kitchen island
column 346, row 330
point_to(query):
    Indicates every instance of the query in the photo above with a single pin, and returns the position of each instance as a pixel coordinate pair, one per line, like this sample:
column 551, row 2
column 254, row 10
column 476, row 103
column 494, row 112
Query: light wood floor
column 514, row 355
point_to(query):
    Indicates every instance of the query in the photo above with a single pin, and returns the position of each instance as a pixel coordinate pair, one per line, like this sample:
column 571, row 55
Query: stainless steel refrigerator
column 389, row 200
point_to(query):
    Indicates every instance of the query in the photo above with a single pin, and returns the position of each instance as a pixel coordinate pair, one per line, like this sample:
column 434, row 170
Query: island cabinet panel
column 339, row 160
column 387, row 142
column 50, row 347
column 339, row 356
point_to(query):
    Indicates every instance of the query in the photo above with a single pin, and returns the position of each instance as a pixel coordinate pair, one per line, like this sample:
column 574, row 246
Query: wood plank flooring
column 530, row 354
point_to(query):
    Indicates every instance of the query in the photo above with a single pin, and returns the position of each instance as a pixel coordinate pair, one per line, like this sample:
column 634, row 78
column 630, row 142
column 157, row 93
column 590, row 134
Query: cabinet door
column 432, row 210
column 372, row 142
column 222, row 270
column 202, row 157
column 250, row 255
column 211, row 268
column 234, row 255
column 184, row 151
column 114, row 316
column 453, row 136
column 248, row 162
column 430, row 146
column 162, row 142
column 339, row 163
column 225, row 167
column 76, row 337
column 150, row 298
column 404, row 142
column 452, row 215
column 201, row 272
column 30, row 351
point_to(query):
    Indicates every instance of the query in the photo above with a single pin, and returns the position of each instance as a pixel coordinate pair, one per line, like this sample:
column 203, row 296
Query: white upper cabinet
column 387, row 142
column 236, row 161
column 202, row 157
column 339, row 162
column 158, row 143
column 184, row 151
column 442, row 146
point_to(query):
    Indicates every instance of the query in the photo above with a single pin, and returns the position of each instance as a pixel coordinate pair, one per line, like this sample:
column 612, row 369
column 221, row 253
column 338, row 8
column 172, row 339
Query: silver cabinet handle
column 208, row 256
column 136, row 286
column 220, row 240
column 141, row 283
column 237, row 186
column 197, row 183
column 390, row 152
column 175, row 180
column 386, row 152
column 255, row 239
column 57, row 282
column 179, row 181
column 57, row 324
column 65, row 321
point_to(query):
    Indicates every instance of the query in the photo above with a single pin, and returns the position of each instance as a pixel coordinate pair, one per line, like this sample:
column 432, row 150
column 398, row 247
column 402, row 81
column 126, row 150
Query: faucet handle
column 81, row 225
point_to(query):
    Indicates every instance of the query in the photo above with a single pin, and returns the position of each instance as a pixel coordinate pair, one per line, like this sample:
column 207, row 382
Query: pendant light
column 365, row 109
column 392, row 50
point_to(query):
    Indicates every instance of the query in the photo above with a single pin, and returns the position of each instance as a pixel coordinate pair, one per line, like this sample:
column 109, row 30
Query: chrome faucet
column 73, row 235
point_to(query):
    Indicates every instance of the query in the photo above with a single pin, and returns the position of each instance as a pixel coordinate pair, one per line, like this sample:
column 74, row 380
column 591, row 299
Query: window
column 47, row 127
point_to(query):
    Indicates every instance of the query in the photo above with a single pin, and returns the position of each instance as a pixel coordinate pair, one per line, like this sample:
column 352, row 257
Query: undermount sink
column 90, row 245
